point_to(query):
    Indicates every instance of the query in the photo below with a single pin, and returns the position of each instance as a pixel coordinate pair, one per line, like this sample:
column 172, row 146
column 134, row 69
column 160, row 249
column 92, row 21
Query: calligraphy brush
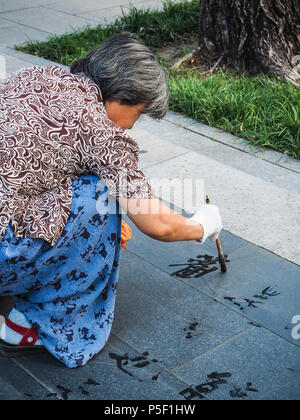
column 222, row 259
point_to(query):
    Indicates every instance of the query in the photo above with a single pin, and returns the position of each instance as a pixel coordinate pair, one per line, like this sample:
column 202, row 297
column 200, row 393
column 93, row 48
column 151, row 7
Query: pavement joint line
column 50, row 390
column 80, row 14
column 190, row 285
column 244, row 316
column 28, row 26
column 72, row 29
column 215, row 298
column 235, row 147
column 239, row 313
column 165, row 288
column 265, row 249
column 205, row 397
column 18, row 10
column 166, row 160
column 209, row 350
column 168, row 372
column 69, row 13
column 11, row 387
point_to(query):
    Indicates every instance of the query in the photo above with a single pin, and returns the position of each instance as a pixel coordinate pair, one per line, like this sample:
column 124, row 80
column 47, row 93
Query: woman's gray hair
column 126, row 70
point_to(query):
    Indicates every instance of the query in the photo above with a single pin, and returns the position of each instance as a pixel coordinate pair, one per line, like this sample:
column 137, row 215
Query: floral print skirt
column 67, row 292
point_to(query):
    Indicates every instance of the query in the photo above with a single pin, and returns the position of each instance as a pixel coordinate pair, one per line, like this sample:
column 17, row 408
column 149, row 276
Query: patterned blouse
column 53, row 129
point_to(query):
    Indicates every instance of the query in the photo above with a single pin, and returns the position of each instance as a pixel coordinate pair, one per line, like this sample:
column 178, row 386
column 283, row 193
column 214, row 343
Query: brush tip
column 223, row 264
column 223, row 267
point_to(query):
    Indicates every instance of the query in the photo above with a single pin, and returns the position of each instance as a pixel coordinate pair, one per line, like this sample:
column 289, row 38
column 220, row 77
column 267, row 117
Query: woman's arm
column 159, row 222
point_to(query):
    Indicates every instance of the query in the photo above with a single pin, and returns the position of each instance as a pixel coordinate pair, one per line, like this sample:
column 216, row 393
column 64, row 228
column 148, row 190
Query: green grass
column 266, row 112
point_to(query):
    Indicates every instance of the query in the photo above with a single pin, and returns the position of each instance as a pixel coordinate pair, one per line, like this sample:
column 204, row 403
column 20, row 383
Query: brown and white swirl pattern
column 53, row 129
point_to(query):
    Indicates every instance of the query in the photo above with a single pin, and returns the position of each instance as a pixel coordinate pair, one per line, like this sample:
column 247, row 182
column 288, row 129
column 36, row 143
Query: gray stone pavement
column 202, row 335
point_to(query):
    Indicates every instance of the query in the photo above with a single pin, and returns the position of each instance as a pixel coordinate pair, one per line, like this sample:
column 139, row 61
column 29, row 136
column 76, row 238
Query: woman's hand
column 159, row 222
column 210, row 218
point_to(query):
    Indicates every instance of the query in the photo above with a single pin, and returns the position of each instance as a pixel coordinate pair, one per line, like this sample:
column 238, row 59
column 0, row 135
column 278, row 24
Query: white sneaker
column 16, row 331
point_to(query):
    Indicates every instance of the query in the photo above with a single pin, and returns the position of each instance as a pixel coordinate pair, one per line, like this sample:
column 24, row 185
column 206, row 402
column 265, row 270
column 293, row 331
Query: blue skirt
column 67, row 292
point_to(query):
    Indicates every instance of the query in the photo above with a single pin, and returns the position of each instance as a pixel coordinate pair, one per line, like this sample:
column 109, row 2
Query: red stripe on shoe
column 30, row 336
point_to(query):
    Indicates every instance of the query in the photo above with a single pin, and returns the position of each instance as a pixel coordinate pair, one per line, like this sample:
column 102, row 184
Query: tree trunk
column 259, row 35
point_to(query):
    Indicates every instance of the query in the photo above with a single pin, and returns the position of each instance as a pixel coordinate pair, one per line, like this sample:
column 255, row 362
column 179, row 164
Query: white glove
column 210, row 218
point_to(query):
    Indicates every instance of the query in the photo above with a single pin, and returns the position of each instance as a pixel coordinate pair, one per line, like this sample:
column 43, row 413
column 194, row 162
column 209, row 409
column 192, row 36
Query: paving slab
column 164, row 316
column 163, row 321
column 12, row 34
column 8, row 393
column 101, row 11
column 77, row 7
column 144, row 4
column 258, row 284
column 119, row 372
column 255, row 365
column 109, row 15
column 4, row 24
column 151, row 150
column 16, row 384
column 104, row 16
column 50, row 21
column 11, row 5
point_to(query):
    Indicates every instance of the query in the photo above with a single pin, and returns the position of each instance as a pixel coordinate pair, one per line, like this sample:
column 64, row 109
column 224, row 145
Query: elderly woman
column 63, row 154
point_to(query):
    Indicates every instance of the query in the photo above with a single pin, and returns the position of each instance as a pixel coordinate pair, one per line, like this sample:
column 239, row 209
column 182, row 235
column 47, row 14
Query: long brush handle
column 222, row 258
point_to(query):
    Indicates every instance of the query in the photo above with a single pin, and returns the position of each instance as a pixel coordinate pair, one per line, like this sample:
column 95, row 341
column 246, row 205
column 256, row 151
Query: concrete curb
column 32, row 59
column 238, row 143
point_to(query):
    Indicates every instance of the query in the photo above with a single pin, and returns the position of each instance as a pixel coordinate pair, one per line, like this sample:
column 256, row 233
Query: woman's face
column 124, row 116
